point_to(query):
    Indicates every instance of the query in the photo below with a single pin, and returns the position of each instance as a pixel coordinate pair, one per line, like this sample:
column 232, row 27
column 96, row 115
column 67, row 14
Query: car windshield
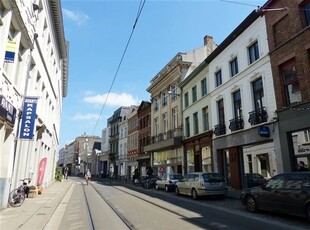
column 176, row 177
column 212, row 177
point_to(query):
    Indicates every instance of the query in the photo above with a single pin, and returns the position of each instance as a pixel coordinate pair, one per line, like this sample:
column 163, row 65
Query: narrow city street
column 109, row 204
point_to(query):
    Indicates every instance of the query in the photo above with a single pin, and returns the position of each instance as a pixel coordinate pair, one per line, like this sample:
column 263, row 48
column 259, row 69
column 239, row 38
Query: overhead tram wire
column 142, row 2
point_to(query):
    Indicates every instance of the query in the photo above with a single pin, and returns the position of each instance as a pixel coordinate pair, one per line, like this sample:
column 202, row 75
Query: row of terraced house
column 238, row 107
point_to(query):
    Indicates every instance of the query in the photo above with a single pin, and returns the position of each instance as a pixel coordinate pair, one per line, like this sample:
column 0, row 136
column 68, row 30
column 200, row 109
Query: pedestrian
column 301, row 166
column 87, row 176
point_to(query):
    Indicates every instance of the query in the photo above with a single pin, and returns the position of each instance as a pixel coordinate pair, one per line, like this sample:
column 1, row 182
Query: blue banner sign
column 28, row 119
column 7, row 110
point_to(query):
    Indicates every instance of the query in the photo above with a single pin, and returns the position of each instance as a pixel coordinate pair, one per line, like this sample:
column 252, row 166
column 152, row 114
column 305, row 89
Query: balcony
column 219, row 129
column 258, row 116
column 164, row 140
column 236, row 123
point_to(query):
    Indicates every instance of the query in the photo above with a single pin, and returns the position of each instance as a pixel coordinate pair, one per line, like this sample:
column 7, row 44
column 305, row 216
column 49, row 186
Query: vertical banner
column 41, row 171
column 10, row 52
column 28, row 119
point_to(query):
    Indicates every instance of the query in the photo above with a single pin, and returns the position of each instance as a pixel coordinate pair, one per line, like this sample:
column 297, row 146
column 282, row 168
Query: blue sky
column 98, row 32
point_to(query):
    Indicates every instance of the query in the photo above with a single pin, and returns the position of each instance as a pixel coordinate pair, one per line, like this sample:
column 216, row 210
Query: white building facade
column 243, row 104
column 33, row 82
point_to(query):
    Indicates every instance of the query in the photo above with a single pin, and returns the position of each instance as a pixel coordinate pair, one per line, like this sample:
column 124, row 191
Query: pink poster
column 41, row 171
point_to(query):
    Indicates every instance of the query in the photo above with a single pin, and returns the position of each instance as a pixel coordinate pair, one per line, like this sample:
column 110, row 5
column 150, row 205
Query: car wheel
column 194, row 194
column 308, row 213
column 166, row 188
column 250, row 204
column 156, row 187
column 177, row 192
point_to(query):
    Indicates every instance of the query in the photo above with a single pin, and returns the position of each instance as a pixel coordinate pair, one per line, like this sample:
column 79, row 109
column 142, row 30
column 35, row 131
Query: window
column 253, row 52
column 156, row 126
column 307, row 135
column 237, row 104
column 186, row 103
column 187, row 127
column 164, row 98
column 156, row 104
column 290, row 83
column 275, row 183
column 195, row 122
column 258, row 93
column 165, row 123
column 205, row 119
column 203, row 87
column 234, row 67
column 194, row 94
column 174, row 92
column 175, row 118
column 220, row 107
column 305, row 8
column 218, row 78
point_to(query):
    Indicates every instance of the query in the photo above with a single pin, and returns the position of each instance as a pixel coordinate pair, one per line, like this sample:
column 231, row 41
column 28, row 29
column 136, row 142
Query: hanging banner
column 28, row 119
column 41, row 171
column 7, row 110
column 10, row 52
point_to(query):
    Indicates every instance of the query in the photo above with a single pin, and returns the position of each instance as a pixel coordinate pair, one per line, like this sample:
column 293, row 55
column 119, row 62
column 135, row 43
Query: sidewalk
column 35, row 212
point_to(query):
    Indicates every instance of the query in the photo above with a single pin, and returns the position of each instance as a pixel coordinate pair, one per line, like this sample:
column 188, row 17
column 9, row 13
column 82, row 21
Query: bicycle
column 18, row 195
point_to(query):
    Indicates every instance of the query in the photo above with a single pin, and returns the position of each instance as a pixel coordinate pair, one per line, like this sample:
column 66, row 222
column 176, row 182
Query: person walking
column 87, row 176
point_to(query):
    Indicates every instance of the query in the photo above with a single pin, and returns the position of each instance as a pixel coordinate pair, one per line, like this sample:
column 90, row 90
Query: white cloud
column 77, row 17
column 89, row 116
column 114, row 99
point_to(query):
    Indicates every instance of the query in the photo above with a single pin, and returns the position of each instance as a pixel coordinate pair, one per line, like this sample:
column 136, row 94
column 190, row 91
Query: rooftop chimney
column 207, row 39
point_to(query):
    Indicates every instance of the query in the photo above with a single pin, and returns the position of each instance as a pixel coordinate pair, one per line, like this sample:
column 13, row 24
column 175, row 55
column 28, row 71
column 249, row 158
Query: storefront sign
column 7, row 110
column 263, row 131
column 10, row 51
column 28, row 119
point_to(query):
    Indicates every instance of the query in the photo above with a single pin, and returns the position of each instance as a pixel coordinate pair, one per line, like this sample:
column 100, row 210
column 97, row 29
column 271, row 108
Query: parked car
column 287, row 193
column 254, row 179
column 168, row 181
column 197, row 184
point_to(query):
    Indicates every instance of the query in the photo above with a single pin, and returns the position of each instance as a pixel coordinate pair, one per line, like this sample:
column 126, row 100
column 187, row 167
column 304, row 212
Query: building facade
column 166, row 112
column 144, row 136
column 243, row 104
column 33, row 83
column 288, row 29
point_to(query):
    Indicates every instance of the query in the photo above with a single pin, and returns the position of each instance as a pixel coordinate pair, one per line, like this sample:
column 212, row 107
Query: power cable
column 142, row 2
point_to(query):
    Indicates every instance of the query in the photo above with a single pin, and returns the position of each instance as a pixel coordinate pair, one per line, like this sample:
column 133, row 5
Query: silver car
column 197, row 184
column 167, row 181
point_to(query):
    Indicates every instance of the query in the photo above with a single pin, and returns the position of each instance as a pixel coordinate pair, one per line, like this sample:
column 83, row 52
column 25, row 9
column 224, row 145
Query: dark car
column 287, row 193
column 254, row 179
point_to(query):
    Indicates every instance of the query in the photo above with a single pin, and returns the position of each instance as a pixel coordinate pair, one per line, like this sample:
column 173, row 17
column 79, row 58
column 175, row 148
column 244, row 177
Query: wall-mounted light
column 174, row 94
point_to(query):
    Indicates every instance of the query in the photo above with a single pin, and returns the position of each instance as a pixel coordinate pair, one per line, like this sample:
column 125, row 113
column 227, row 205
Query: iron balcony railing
column 219, row 129
column 236, row 123
column 258, row 116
